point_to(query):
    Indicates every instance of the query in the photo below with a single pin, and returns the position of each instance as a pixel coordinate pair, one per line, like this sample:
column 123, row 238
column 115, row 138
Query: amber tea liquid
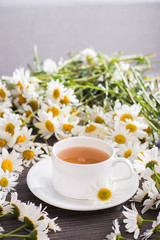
column 83, row 155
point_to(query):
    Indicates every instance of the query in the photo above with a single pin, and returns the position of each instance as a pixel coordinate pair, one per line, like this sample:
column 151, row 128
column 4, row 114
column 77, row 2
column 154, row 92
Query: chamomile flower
column 103, row 192
column 10, row 123
column 50, row 106
column 4, row 93
column 116, row 234
column 154, row 230
column 136, row 128
column 29, row 153
column 17, row 207
column 142, row 193
column 49, row 66
column 5, row 108
column 18, row 75
column 146, row 159
column 88, row 56
column 47, row 124
column 96, row 114
column 52, row 225
column 66, row 125
column 133, row 220
column 68, row 97
column 55, row 90
column 7, row 181
column 131, row 149
column 4, row 139
column 4, row 205
column 32, row 215
column 124, row 112
column 96, row 130
column 11, row 161
column 119, row 134
column 24, row 135
column 39, row 232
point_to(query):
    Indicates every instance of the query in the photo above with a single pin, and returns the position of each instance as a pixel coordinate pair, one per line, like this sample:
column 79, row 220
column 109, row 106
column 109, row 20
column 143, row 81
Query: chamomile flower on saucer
column 126, row 112
column 105, row 191
column 136, row 128
column 55, row 90
column 133, row 220
column 4, row 139
column 116, row 234
column 7, row 181
column 47, row 124
column 131, row 149
column 30, row 153
column 11, row 161
column 49, row 66
column 146, row 159
column 17, row 207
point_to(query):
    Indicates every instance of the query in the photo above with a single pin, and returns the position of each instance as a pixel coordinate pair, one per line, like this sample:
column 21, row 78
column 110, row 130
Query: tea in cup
column 79, row 162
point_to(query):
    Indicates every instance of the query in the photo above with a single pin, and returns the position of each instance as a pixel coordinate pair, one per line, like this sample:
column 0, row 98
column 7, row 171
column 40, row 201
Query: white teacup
column 74, row 180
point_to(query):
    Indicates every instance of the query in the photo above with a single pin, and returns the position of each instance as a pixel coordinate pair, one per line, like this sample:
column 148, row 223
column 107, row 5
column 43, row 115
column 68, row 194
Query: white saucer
column 40, row 184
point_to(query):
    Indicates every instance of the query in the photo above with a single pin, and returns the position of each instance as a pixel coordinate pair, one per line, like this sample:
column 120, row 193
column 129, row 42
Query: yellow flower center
column 1, row 114
column 7, row 165
column 34, row 105
column 28, row 154
column 128, row 153
column 131, row 127
column 65, row 100
column 49, row 125
column 54, row 110
column 4, row 182
column 126, row 116
column 148, row 130
column 68, row 127
column 10, row 128
column 90, row 128
column 2, row 142
column 98, row 120
column 2, row 93
column 20, row 85
column 21, row 99
column 104, row 194
column 56, row 93
column 120, row 139
column 20, row 139
column 74, row 111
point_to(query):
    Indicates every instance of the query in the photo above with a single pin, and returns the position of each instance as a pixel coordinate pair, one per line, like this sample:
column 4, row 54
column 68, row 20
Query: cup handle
column 126, row 162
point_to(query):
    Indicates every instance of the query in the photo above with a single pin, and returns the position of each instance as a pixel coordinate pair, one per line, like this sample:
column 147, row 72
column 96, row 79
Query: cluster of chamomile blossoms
column 35, row 220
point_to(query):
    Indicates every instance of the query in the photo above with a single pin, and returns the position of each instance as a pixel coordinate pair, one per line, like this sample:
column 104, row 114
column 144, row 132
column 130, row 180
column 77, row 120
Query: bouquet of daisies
column 92, row 94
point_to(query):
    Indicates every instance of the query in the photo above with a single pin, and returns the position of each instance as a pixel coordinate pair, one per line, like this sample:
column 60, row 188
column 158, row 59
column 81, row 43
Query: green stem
column 148, row 220
column 3, row 215
column 15, row 235
column 16, row 230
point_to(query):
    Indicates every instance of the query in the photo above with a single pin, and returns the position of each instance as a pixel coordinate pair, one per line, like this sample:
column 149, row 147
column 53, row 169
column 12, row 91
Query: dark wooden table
column 76, row 225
